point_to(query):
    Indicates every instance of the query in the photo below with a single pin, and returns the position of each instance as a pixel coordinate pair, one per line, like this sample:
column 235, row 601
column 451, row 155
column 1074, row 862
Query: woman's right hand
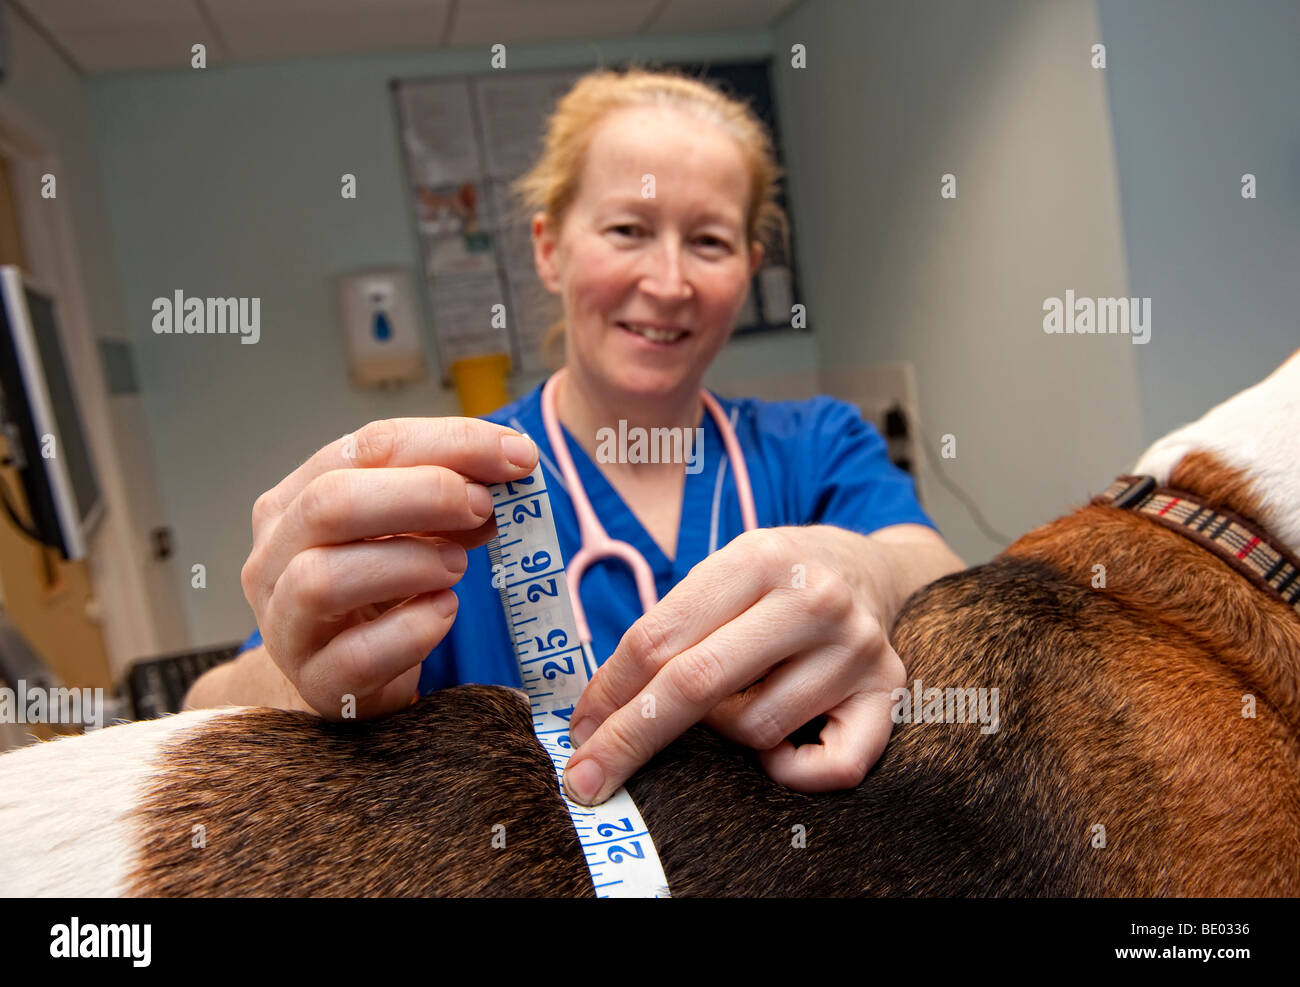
column 355, row 551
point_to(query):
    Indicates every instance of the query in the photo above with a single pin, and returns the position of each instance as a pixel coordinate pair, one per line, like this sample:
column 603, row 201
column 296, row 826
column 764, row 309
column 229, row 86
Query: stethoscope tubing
column 596, row 542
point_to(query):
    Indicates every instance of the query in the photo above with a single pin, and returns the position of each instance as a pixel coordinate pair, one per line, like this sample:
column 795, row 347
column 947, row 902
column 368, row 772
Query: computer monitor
column 42, row 421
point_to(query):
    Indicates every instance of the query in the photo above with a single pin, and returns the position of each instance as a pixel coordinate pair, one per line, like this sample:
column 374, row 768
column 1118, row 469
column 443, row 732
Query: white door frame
column 116, row 554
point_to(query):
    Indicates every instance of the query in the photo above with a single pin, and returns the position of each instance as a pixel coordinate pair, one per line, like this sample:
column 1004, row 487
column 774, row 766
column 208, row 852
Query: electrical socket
column 878, row 389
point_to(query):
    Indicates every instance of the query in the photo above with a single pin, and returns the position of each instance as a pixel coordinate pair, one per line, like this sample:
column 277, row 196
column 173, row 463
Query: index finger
column 684, row 689
column 477, row 449
column 715, row 592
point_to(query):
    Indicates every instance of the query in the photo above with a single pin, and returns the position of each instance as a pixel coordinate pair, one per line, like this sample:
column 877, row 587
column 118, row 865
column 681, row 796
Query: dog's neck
column 1243, row 454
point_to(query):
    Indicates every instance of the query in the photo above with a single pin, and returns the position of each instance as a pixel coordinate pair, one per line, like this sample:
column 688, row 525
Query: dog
column 1147, row 742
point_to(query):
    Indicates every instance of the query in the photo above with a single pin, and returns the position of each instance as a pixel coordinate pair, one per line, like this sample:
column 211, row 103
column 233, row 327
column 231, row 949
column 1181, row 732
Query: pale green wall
column 1203, row 92
column 999, row 94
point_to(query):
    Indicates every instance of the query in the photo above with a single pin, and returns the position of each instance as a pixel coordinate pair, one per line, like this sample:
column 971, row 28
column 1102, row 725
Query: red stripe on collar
column 1242, row 544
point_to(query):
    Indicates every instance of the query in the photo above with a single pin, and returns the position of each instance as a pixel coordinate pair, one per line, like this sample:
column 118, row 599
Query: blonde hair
column 551, row 185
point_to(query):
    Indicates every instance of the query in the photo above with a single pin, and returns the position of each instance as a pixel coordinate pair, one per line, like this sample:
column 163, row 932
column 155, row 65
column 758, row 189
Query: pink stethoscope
column 596, row 543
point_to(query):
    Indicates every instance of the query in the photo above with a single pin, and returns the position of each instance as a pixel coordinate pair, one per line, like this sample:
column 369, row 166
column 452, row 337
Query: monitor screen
column 73, row 450
column 42, row 421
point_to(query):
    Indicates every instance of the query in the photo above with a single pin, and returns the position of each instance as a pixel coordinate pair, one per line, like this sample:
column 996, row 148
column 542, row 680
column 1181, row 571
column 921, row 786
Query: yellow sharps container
column 481, row 383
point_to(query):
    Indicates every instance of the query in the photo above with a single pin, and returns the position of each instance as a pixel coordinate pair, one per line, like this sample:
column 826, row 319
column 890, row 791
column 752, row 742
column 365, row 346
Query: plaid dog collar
column 1245, row 546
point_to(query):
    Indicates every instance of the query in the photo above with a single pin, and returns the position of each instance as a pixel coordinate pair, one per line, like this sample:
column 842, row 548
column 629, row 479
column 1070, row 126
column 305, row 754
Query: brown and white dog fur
column 1121, row 712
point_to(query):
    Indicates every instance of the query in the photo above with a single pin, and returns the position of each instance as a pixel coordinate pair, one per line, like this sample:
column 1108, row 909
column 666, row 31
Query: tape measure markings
column 534, row 590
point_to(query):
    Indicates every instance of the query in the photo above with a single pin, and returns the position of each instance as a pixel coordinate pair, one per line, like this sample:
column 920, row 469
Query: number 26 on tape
column 531, row 509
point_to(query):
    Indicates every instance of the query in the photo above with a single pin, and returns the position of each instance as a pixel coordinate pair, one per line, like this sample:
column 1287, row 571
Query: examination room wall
column 226, row 182
column 1202, row 92
column 1123, row 182
column 1000, row 95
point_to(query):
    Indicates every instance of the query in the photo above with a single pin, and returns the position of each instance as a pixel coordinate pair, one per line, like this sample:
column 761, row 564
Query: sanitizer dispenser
column 381, row 327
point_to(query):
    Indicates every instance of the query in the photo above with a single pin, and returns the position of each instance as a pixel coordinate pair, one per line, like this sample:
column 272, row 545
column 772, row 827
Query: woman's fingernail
column 583, row 781
column 583, row 731
column 446, row 602
column 480, row 500
column 454, row 558
column 519, row 449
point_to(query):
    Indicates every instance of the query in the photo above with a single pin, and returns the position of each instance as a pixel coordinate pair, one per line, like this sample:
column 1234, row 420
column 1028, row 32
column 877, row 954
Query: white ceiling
column 112, row 35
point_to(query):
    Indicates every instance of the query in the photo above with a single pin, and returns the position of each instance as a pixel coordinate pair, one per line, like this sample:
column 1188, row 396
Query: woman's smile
column 655, row 336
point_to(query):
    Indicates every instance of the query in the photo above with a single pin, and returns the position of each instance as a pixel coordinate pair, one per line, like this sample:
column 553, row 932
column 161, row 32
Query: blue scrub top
column 810, row 462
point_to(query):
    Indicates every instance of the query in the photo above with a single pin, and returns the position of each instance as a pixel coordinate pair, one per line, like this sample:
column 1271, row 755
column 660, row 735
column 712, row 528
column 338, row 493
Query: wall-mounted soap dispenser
column 378, row 312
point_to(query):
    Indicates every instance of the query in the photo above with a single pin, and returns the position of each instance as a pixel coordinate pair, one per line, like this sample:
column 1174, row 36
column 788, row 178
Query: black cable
column 896, row 430
column 972, row 509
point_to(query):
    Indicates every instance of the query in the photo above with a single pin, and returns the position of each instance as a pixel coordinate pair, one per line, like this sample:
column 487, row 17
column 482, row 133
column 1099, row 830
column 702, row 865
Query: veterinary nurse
column 755, row 632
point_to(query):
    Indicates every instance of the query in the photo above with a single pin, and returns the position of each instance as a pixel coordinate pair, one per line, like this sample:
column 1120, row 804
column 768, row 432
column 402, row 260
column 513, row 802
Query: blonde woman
column 755, row 632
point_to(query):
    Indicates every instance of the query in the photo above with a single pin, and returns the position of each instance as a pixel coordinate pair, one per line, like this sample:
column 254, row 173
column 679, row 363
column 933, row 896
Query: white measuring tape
column 528, row 569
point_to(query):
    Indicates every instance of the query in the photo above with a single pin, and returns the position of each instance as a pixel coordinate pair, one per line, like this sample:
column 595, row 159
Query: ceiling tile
column 58, row 15
column 107, row 35
column 138, row 47
column 280, row 10
column 681, row 16
column 266, row 37
column 524, row 21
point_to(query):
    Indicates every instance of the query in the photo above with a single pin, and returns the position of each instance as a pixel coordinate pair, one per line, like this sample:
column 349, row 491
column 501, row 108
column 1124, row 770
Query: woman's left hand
column 805, row 609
